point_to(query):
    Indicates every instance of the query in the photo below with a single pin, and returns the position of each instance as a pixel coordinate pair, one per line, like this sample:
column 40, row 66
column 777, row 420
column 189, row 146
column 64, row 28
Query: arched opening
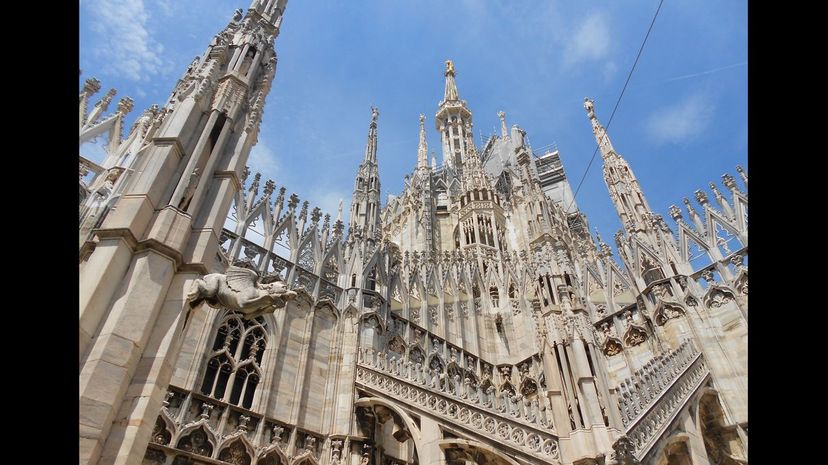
column 722, row 443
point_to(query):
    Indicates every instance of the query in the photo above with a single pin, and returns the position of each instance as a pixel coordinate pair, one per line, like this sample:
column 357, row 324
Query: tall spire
column 365, row 203
column 601, row 136
column 624, row 188
column 422, row 149
column 451, row 86
column 474, row 177
column 451, row 120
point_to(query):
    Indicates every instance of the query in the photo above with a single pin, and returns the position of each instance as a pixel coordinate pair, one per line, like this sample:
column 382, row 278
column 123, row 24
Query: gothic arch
column 612, row 346
column 397, row 345
column 185, row 439
column 329, row 305
column 272, row 455
column 406, row 419
column 163, row 430
column 717, row 296
column 718, row 441
column 305, row 459
column 675, row 451
column 634, row 336
column 475, row 448
column 416, row 355
column 373, row 317
column 229, row 450
column 666, row 311
column 436, row 359
column 529, row 388
column 507, row 386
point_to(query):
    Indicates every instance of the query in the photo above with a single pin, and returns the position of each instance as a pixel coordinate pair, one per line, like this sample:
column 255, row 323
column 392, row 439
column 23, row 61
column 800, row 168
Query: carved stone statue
column 189, row 191
column 589, row 106
column 240, row 290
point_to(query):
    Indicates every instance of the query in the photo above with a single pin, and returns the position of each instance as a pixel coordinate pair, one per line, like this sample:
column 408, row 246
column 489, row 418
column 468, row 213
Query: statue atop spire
column 451, row 85
column 371, row 146
column 601, row 136
column 504, row 131
column 590, row 107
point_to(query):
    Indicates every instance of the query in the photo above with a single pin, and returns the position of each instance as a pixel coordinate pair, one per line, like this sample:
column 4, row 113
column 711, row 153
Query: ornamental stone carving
column 240, row 290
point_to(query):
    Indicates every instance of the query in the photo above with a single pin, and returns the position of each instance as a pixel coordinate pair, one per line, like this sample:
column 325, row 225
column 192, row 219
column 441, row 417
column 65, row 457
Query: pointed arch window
column 234, row 369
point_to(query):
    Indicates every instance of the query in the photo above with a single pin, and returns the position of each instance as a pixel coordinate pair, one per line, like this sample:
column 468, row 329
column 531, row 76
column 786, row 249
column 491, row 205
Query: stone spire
column 624, row 189
column 451, row 120
column 422, row 148
column 474, row 177
column 601, row 136
column 365, row 203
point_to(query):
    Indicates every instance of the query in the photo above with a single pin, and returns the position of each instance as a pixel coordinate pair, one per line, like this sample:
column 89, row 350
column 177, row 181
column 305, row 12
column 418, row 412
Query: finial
column 701, row 197
column 339, row 211
column 589, row 106
column 91, row 86
column 675, row 213
column 374, row 114
column 125, row 105
column 729, row 181
column 742, row 174
column 422, row 119
column 449, row 67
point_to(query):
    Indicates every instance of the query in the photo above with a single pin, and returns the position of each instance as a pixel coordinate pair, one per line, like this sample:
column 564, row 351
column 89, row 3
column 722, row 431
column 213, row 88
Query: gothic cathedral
column 473, row 319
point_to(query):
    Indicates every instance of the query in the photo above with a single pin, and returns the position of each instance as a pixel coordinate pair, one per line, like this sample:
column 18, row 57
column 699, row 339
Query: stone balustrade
column 507, row 423
column 654, row 395
column 530, row 412
column 638, row 392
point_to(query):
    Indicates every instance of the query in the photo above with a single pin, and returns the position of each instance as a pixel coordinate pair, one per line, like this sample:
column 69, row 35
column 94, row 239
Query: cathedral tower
column 164, row 232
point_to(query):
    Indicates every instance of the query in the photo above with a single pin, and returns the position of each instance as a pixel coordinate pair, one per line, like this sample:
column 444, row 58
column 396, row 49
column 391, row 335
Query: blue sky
column 681, row 124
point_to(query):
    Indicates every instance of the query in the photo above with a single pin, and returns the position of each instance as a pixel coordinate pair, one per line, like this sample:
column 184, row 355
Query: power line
column 617, row 102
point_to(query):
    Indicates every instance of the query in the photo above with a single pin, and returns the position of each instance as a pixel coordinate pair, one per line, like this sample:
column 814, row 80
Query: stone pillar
column 116, row 352
column 554, row 391
column 136, row 417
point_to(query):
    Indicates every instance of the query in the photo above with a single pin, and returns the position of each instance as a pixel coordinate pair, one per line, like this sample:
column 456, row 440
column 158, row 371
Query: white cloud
column 328, row 202
column 165, row 6
column 681, row 121
column 609, row 71
column 590, row 41
column 126, row 45
column 263, row 160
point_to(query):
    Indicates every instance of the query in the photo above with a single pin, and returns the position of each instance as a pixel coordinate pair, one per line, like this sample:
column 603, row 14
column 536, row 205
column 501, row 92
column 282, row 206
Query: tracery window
column 234, row 369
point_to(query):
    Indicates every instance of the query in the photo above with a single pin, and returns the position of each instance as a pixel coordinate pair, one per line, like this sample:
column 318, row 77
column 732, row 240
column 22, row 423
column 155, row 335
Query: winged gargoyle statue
column 240, row 290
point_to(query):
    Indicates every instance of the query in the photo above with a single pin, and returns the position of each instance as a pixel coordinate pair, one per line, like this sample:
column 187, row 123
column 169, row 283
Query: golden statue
column 449, row 67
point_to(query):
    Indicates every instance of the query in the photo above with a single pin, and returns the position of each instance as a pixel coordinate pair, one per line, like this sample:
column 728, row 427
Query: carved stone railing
column 534, row 440
column 638, row 392
column 224, row 429
column 297, row 276
column 658, row 393
column 532, row 413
